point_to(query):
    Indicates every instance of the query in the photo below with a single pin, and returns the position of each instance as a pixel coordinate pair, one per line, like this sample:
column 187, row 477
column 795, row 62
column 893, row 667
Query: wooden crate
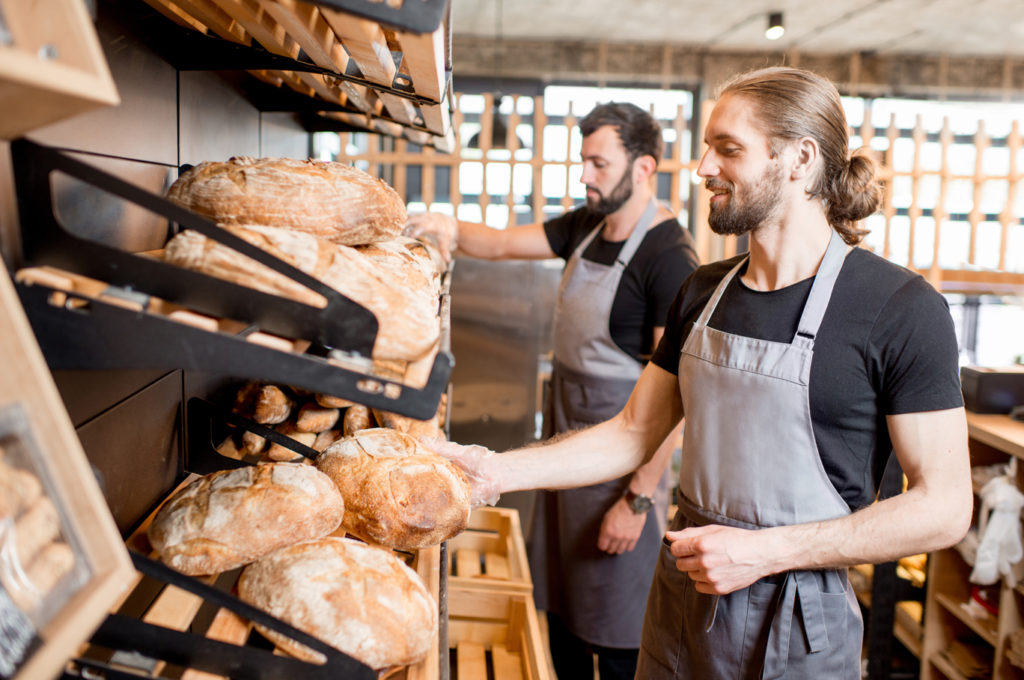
column 496, row 630
column 36, row 436
column 332, row 38
column 51, row 65
column 177, row 609
column 490, row 554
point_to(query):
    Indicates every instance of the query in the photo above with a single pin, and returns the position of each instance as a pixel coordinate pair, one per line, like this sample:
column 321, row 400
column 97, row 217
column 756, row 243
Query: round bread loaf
column 233, row 517
column 361, row 600
column 334, row 201
column 397, row 493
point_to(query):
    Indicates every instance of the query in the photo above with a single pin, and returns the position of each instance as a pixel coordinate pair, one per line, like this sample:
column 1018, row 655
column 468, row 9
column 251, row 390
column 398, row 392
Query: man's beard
column 759, row 205
column 617, row 198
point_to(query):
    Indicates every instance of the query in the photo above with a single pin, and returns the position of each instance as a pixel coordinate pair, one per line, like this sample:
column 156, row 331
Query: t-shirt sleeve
column 561, row 232
column 913, row 351
column 666, row 355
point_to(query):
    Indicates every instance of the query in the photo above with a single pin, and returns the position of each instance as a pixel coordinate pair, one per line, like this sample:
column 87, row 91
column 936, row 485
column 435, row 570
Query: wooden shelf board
column 947, row 669
column 986, row 633
column 998, row 431
column 912, row 642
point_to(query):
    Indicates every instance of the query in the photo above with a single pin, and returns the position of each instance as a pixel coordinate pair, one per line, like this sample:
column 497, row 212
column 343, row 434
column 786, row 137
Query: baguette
column 314, row 418
column 333, row 201
column 357, row 418
column 397, row 493
column 233, row 517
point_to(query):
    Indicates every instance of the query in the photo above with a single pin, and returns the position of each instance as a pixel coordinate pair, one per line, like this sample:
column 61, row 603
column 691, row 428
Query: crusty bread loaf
column 357, row 418
column 253, row 444
column 315, row 418
column 332, row 201
column 327, row 401
column 362, row 600
column 232, row 517
column 396, row 492
column 325, row 439
column 413, row 428
column 407, row 318
column 280, row 453
column 417, row 273
column 273, row 406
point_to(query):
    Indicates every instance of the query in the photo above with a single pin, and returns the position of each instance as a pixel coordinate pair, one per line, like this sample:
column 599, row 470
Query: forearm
column 908, row 524
column 479, row 240
column 645, row 479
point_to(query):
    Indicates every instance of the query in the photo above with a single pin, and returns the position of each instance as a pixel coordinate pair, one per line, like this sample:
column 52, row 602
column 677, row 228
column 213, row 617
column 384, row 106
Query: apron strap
column 802, row 586
column 821, row 292
column 636, row 237
column 709, row 308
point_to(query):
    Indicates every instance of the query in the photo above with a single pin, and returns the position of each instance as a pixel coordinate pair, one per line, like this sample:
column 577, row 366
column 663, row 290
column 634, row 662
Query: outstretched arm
column 933, row 513
column 528, row 242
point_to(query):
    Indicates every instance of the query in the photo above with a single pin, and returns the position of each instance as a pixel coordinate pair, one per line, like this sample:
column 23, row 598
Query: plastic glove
column 443, row 228
column 472, row 460
column 1000, row 545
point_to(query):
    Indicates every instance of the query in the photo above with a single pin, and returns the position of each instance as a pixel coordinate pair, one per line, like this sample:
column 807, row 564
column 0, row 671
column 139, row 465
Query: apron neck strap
column 821, row 292
column 635, row 237
column 709, row 308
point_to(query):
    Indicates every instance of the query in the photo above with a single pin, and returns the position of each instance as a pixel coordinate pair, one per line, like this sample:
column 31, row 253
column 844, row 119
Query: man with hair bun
column 593, row 550
column 799, row 367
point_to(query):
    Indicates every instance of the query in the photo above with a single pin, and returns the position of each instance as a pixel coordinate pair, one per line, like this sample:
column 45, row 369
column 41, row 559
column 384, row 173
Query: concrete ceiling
column 991, row 28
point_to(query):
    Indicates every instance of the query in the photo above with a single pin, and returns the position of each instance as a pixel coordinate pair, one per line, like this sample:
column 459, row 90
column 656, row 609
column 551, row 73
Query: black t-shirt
column 886, row 346
column 649, row 282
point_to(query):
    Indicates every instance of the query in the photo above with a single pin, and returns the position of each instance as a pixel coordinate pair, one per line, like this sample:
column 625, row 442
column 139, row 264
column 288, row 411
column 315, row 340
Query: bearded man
column 593, row 550
column 800, row 367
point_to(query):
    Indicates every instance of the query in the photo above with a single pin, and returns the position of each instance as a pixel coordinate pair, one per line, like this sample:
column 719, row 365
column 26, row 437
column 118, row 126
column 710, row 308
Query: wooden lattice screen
column 393, row 159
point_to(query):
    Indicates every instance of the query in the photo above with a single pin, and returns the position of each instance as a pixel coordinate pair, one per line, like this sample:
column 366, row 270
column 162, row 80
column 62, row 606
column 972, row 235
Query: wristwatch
column 639, row 503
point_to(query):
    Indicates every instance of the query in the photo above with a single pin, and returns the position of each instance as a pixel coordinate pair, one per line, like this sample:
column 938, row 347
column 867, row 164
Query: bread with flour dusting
column 233, row 517
column 332, row 201
column 396, row 492
column 362, row 600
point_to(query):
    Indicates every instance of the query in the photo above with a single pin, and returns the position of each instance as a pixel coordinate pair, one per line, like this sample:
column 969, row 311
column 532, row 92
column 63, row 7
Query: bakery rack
column 92, row 306
column 343, row 65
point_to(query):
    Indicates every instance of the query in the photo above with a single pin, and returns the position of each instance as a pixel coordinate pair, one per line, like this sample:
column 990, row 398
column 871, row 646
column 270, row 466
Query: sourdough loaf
column 230, row 518
column 362, row 600
column 332, row 201
column 418, row 273
column 397, row 493
column 407, row 318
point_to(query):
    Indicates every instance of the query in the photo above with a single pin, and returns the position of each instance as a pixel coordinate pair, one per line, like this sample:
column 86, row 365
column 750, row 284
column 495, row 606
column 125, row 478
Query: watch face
column 641, row 504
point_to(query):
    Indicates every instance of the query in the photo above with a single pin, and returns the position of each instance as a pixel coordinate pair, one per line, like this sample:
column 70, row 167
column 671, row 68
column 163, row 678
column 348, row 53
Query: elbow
column 958, row 518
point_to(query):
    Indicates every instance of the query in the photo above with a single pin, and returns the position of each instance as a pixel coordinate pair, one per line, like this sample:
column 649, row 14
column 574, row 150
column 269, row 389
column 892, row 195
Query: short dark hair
column 639, row 132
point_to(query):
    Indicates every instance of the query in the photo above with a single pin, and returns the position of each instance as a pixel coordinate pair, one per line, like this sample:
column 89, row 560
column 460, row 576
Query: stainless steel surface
column 281, row 136
column 95, row 215
column 137, row 447
column 216, row 122
column 144, row 126
column 501, row 321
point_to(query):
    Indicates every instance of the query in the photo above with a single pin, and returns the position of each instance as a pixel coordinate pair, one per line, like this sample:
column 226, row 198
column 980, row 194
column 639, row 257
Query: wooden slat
column 423, row 60
column 365, row 43
column 1007, row 218
column 540, row 122
column 506, row 666
column 261, row 26
column 490, row 604
column 216, row 19
column 939, row 213
column 472, row 661
column 467, row 563
column 570, row 123
column 177, row 15
column 981, row 142
column 307, row 27
column 496, row 566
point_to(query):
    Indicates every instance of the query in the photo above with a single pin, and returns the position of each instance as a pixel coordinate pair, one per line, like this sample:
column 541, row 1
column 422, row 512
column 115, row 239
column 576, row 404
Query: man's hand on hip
column 620, row 529
column 719, row 559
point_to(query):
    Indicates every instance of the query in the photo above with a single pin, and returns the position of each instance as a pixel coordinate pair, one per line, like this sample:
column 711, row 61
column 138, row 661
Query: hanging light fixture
column 775, row 28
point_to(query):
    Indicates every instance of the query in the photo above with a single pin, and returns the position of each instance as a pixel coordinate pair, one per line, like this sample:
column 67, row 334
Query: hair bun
column 856, row 195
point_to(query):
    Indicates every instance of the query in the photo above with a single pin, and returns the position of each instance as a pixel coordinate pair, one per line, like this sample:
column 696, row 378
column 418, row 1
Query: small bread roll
column 358, row 599
column 233, row 517
column 36, row 580
column 19, row 489
column 357, row 418
column 245, row 400
column 325, row 439
column 314, row 418
column 409, row 426
column 273, row 406
column 327, row 401
column 280, row 453
column 397, row 493
column 253, row 444
column 35, row 528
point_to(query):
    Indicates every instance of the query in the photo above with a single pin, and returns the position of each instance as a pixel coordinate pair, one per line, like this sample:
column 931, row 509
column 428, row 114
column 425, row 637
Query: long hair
column 792, row 104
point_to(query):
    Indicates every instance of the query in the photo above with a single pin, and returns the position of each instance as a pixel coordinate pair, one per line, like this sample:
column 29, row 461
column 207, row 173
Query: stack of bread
column 329, row 220
column 33, row 558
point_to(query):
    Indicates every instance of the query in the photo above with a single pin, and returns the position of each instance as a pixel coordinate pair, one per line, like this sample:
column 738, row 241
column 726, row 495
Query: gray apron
column 600, row 597
column 750, row 461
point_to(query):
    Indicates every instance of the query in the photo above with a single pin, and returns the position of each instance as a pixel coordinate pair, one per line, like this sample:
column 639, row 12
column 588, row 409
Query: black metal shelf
column 79, row 332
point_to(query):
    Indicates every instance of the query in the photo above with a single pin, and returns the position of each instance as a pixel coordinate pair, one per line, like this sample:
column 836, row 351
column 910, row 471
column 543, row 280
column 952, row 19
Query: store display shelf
column 907, row 629
column 355, row 60
column 495, row 634
column 987, row 629
column 946, row 668
column 154, row 623
column 101, row 308
column 490, row 554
